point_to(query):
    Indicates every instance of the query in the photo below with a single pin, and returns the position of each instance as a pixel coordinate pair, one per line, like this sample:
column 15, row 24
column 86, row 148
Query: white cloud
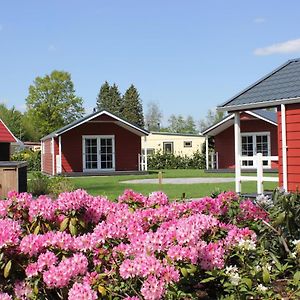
column 290, row 46
column 259, row 20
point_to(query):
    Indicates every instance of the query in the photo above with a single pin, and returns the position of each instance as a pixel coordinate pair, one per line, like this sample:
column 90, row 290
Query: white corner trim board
column 284, row 147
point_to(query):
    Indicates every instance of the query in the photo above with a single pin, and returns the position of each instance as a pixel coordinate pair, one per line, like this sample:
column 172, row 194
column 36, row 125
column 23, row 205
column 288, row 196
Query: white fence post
column 259, row 162
column 237, row 151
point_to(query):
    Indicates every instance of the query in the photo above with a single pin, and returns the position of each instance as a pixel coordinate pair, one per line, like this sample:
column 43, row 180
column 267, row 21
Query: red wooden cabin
column 258, row 135
column 98, row 143
column 6, row 138
column 279, row 89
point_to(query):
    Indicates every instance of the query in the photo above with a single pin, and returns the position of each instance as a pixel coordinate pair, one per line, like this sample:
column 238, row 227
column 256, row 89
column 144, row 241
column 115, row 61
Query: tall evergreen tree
column 115, row 100
column 132, row 107
column 109, row 98
column 103, row 98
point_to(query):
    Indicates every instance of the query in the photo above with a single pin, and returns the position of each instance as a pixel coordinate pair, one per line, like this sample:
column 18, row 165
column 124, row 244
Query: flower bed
column 141, row 247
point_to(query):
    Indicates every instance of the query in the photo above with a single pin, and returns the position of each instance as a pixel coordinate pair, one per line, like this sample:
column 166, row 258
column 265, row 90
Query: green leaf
column 64, row 224
column 184, row 272
column 102, row 290
column 74, row 221
column 266, row 275
column 73, row 229
column 37, row 229
column 192, row 269
column 248, row 282
column 208, row 279
column 7, row 269
column 280, row 218
column 296, row 278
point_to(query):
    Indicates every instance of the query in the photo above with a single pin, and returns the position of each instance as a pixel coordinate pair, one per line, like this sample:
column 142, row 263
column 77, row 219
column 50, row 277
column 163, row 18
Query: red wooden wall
column 46, row 157
column 127, row 146
column 5, row 135
column 293, row 146
column 224, row 141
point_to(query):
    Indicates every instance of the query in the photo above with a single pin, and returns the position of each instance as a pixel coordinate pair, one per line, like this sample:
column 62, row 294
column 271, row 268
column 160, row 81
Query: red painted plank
column 5, row 135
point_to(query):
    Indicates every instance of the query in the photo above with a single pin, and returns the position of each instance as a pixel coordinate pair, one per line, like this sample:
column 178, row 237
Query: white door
column 253, row 143
column 98, row 153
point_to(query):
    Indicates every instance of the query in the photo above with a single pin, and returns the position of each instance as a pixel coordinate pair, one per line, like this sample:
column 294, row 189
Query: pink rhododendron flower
column 10, row 232
column 82, row 291
column 5, row 296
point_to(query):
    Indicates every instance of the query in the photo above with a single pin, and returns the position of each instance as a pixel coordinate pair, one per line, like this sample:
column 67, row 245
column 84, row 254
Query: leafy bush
column 159, row 160
column 84, row 247
column 40, row 184
column 33, row 159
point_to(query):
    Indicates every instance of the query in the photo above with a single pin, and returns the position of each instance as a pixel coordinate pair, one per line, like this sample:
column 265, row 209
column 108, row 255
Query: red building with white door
column 279, row 89
column 258, row 135
column 98, row 143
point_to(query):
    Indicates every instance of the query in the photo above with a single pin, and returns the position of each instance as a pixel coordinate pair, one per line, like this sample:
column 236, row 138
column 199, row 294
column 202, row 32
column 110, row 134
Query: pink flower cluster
column 81, row 291
column 139, row 237
column 250, row 211
column 10, row 232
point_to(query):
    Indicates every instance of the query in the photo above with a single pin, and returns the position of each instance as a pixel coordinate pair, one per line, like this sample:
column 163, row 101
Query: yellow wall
column 155, row 141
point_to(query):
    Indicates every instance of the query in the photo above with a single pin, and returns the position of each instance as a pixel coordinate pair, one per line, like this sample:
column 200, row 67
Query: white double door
column 253, row 143
column 98, row 153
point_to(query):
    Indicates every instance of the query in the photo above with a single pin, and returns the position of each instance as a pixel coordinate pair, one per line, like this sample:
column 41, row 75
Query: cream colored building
column 176, row 143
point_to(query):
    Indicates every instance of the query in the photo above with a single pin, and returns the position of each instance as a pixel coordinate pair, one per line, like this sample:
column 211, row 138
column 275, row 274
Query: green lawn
column 111, row 186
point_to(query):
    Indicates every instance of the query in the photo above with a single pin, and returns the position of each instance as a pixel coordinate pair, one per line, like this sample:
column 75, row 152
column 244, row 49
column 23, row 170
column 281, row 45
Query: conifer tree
column 103, row 96
column 109, row 98
column 132, row 107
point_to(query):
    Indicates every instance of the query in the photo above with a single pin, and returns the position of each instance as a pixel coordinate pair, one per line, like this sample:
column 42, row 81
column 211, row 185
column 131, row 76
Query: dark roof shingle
column 282, row 83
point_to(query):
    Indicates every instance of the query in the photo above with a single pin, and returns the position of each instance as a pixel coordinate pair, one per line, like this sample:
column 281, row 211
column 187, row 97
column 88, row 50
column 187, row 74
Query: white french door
column 253, row 143
column 98, row 153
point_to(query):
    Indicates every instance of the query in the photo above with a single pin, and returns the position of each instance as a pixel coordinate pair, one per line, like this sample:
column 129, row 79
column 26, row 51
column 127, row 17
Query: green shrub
column 33, row 159
column 161, row 160
column 41, row 184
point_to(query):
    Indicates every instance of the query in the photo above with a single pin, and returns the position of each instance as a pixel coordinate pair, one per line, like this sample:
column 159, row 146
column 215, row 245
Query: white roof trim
column 231, row 116
column 99, row 114
column 218, row 124
column 256, row 105
column 16, row 140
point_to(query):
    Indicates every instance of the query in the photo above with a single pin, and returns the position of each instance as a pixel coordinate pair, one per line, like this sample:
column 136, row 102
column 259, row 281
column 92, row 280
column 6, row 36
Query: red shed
column 98, row 143
column 279, row 89
column 6, row 138
column 258, row 135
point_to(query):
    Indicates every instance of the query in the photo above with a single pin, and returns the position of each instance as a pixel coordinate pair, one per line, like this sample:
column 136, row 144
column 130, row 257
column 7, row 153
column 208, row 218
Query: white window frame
column 98, row 137
column 254, row 135
column 186, row 146
column 168, row 142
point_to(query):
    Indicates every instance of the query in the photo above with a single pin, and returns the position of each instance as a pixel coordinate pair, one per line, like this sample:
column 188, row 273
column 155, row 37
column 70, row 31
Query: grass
column 112, row 187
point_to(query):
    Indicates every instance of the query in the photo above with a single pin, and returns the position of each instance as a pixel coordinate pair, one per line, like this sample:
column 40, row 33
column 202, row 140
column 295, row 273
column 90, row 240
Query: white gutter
column 284, row 147
column 261, row 104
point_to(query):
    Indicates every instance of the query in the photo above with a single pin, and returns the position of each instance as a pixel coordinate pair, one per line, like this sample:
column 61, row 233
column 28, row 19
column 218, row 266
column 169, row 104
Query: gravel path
column 180, row 180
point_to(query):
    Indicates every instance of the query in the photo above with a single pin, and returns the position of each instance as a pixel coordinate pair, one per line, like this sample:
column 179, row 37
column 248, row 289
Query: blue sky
column 187, row 56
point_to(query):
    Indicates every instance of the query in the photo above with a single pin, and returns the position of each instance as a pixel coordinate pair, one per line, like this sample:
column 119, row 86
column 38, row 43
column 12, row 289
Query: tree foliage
column 109, row 98
column 132, row 107
column 18, row 123
column 212, row 117
column 179, row 124
column 153, row 117
column 52, row 103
